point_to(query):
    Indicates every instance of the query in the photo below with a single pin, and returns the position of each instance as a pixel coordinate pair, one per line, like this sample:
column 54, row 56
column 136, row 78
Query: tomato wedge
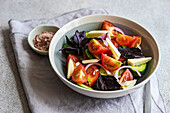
column 93, row 74
column 137, row 42
column 115, row 43
column 126, row 76
column 79, row 74
column 73, row 57
column 106, row 25
column 124, row 40
column 109, row 52
column 109, row 63
column 122, row 59
column 96, row 47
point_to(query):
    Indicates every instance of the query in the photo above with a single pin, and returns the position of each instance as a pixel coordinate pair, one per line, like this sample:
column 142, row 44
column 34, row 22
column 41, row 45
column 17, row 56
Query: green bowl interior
column 60, row 59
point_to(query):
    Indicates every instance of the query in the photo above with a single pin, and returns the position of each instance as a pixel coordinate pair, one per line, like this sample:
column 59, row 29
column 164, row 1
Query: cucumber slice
column 141, row 68
column 89, row 54
column 120, row 72
column 84, row 86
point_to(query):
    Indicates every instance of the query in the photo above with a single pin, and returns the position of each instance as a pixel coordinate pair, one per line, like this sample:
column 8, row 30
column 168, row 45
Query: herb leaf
column 130, row 52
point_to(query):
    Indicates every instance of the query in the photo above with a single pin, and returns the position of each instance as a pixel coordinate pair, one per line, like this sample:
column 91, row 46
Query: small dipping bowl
column 38, row 30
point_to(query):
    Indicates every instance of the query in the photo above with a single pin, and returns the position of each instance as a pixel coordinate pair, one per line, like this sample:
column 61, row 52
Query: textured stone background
column 154, row 15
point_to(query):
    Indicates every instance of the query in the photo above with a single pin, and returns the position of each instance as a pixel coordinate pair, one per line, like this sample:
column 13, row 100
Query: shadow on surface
column 13, row 65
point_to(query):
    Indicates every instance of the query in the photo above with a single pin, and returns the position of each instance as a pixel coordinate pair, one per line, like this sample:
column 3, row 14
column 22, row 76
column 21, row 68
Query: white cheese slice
column 97, row 33
column 139, row 61
column 71, row 67
column 90, row 61
column 116, row 53
column 128, row 84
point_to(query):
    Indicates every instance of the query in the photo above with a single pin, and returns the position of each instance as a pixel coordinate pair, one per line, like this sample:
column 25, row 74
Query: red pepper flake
column 42, row 41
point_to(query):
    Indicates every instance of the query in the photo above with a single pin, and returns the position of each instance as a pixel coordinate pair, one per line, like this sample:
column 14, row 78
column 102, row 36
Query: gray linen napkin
column 47, row 94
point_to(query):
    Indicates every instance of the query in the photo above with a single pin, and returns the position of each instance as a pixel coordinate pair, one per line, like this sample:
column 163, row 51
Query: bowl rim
column 98, row 91
column 32, row 31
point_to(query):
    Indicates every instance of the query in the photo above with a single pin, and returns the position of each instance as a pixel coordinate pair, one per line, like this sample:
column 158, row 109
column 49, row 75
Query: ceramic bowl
column 38, row 30
column 93, row 22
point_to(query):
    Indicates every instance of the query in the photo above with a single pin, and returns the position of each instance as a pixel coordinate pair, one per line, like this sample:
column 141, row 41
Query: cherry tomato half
column 96, row 47
column 137, row 42
column 109, row 52
column 106, row 25
column 73, row 57
column 79, row 74
column 122, row 59
column 114, row 43
column 109, row 63
column 93, row 74
column 124, row 40
column 126, row 76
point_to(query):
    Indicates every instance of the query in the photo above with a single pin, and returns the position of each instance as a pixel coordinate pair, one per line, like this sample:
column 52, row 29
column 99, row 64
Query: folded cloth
column 47, row 94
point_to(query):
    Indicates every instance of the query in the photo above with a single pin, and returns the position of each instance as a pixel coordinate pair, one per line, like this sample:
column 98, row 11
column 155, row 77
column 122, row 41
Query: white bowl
column 38, row 30
column 92, row 22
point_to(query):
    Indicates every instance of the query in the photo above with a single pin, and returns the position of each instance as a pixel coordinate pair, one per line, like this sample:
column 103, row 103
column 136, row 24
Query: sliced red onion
column 114, row 28
column 108, row 72
column 105, row 42
column 116, row 73
column 103, row 36
column 88, row 66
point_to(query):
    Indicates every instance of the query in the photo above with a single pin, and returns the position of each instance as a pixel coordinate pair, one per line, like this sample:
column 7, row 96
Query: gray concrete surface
column 154, row 15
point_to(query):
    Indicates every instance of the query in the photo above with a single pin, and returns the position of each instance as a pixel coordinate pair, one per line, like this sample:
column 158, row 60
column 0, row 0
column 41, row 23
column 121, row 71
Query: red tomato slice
column 109, row 52
column 79, row 74
column 109, row 63
column 93, row 74
column 126, row 76
column 73, row 57
column 122, row 59
column 115, row 43
column 106, row 25
column 124, row 40
column 96, row 47
column 114, row 34
column 137, row 42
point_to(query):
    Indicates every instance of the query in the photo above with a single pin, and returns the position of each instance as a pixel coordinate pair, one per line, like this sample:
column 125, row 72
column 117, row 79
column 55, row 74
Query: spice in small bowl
column 40, row 38
column 42, row 41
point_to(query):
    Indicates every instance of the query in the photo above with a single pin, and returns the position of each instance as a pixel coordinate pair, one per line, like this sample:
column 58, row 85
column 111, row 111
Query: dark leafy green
column 89, row 54
column 130, row 52
column 77, row 43
column 99, row 84
column 111, row 83
column 107, row 83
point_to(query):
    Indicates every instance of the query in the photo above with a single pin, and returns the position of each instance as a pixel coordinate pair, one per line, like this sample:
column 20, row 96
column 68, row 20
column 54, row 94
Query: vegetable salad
column 105, row 59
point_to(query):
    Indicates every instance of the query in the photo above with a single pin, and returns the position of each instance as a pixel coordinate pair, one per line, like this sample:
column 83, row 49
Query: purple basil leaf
column 83, row 34
column 85, row 41
column 131, row 52
column 68, row 48
column 69, row 43
column 99, row 84
column 77, row 34
column 75, row 39
column 111, row 83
